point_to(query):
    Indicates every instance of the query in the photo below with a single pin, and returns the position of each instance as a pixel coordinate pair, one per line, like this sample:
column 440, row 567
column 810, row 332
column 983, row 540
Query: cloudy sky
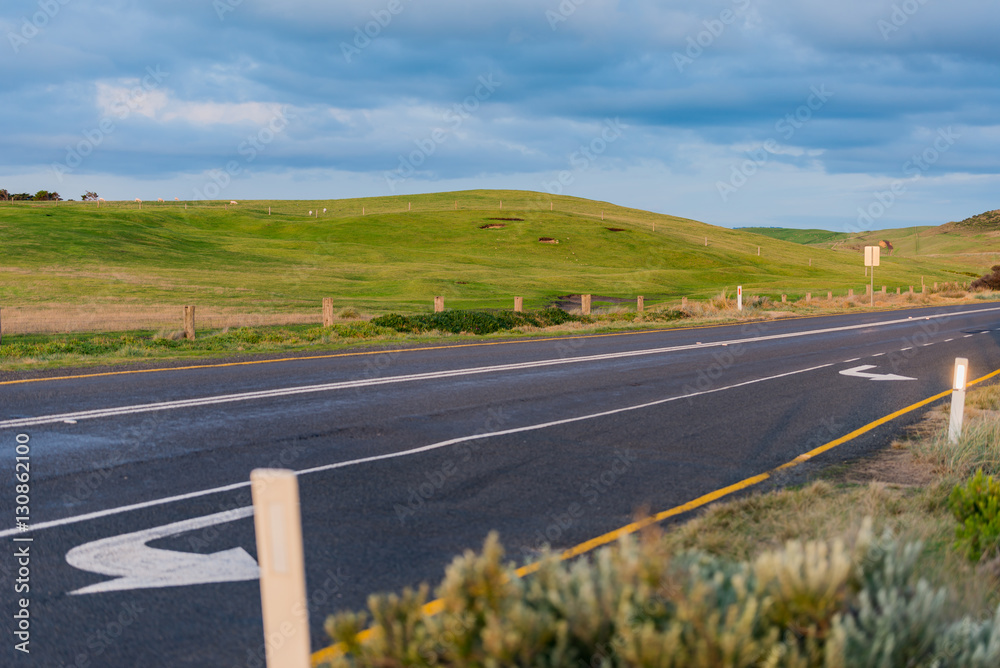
column 802, row 113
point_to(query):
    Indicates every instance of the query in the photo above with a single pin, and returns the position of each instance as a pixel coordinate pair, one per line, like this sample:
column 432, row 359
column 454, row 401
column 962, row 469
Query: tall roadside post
column 739, row 297
column 958, row 399
column 873, row 255
column 278, row 526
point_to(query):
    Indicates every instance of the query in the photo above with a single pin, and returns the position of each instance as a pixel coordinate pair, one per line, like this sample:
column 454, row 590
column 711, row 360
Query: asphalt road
column 407, row 458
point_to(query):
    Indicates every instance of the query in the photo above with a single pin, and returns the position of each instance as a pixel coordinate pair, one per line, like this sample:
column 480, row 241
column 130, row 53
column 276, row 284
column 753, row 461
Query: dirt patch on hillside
column 492, row 226
column 547, row 240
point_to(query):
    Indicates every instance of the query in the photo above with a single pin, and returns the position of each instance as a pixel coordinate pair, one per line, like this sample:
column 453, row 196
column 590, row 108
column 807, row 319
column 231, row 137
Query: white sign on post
column 873, row 255
column 739, row 297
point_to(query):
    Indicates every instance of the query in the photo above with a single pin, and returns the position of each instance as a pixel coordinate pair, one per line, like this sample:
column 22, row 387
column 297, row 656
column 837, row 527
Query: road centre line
column 405, row 453
column 434, row 375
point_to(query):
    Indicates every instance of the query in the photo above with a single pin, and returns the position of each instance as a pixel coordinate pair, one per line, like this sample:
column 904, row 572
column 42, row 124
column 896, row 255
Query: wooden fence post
column 640, row 303
column 829, row 296
column 189, row 323
column 784, row 298
column 327, row 311
column 518, row 304
column 438, row 304
column 809, row 297
column 684, row 302
column 585, row 304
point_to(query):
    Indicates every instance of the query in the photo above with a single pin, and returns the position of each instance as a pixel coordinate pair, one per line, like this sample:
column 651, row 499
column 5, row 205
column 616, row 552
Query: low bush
column 475, row 322
column 976, row 506
column 990, row 281
column 826, row 603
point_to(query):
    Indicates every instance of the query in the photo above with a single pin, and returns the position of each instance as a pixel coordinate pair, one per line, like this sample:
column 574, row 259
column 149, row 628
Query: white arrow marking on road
column 139, row 566
column 859, row 371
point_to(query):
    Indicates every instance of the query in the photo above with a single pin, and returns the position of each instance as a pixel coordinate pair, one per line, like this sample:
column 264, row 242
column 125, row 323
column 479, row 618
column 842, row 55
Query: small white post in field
column 758, row 251
column 958, row 399
column 409, row 206
column 739, row 297
column 706, row 241
column 269, row 211
column 278, row 525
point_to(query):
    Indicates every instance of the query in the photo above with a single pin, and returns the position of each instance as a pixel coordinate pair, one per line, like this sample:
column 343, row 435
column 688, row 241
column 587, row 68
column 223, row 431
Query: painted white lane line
column 138, row 566
column 878, row 354
column 404, row 453
column 948, row 340
column 327, row 387
column 854, row 359
column 967, row 336
column 905, row 349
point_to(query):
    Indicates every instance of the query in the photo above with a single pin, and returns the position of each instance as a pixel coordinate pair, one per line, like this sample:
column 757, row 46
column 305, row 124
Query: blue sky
column 800, row 113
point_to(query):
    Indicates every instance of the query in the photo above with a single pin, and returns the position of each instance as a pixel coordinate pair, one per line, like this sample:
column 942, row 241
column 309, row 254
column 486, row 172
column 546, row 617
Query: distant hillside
column 984, row 222
column 805, row 237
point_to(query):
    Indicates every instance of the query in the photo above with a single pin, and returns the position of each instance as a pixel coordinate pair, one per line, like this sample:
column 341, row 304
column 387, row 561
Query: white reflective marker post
column 282, row 567
column 739, row 297
column 958, row 399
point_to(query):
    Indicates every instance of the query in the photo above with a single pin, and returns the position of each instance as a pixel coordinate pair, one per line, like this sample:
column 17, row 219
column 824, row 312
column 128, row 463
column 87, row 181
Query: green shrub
column 830, row 604
column 976, row 506
column 475, row 322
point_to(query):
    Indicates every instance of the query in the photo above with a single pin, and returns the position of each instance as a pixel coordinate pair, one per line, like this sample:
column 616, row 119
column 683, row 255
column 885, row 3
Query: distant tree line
column 41, row 196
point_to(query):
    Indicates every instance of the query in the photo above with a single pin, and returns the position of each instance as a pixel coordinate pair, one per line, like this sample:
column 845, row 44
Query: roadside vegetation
column 889, row 561
column 355, row 329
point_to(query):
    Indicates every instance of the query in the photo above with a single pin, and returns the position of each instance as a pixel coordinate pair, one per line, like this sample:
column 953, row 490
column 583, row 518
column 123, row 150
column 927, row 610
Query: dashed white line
column 948, row 340
column 967, row 336
column 878, row 354
column 404, row 453
column 850, row 360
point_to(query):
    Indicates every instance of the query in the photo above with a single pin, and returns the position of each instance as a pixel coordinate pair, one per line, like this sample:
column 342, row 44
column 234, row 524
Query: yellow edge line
column 437, row 605
column 418, row 348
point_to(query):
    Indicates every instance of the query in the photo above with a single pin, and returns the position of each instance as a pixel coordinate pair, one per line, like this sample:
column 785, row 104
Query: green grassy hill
column 402, row 252
column 971, row 245
column 805, row 237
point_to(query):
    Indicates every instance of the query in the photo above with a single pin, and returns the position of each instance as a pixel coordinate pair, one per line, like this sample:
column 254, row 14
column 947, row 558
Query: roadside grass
column 156, row 334
column 782, row 577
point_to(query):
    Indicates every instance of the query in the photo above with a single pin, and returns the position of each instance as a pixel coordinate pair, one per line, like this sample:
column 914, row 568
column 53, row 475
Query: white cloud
column 129, row 96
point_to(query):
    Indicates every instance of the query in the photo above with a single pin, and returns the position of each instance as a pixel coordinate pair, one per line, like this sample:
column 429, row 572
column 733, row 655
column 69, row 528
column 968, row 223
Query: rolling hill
column 476, row 248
